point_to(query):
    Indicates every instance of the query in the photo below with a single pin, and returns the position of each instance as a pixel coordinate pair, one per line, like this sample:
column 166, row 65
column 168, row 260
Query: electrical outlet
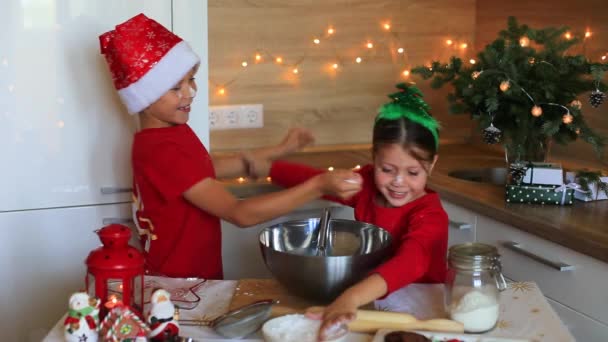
column 236, row 116
column 252, row 116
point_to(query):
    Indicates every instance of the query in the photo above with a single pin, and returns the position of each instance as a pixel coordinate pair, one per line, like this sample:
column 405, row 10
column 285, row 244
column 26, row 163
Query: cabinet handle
column 460, row 225
column 518, row 248
column 116, row 220
column 107, row 190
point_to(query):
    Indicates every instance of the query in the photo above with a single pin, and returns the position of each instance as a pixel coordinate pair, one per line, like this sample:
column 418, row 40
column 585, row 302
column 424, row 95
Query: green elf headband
column 408, row 103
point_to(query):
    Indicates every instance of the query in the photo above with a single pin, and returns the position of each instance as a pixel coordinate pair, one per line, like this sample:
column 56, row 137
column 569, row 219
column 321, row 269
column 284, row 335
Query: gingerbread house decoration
column 122, row 325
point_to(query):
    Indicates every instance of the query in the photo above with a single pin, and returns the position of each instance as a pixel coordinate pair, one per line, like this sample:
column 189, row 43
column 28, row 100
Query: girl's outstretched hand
column 334, row 319
column 340, row 183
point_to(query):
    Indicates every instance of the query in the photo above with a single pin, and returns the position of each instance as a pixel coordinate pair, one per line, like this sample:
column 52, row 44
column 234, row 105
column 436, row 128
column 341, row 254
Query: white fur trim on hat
column 171, row 68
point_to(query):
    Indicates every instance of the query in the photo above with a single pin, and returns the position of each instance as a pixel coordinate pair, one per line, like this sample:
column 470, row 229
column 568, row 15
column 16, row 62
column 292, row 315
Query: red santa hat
column 146, row 60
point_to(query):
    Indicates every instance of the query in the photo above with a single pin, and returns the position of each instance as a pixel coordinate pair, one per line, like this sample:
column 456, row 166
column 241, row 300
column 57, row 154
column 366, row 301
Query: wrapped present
column 544, row 174
column 593, row 190
column 541, row 194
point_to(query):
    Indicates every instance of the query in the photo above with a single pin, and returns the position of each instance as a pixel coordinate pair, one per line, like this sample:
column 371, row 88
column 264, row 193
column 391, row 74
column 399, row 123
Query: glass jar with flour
column 473, row 285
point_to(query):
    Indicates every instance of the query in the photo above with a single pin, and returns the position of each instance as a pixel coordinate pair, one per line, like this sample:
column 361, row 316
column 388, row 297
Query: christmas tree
column 523, row 89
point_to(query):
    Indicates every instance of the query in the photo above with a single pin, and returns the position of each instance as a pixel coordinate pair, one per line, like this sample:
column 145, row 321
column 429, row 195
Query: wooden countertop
column 582, row 227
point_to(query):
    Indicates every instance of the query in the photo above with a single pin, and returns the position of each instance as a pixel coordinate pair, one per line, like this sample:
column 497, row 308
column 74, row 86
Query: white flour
column 291, row 328
column 476, row 310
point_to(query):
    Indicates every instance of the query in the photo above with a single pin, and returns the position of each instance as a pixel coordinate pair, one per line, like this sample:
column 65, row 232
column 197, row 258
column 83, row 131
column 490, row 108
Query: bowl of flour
column 293, row 328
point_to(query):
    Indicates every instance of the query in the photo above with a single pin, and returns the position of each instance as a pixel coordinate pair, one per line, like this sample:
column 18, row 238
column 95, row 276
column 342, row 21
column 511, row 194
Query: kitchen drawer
column 462, row 224
column 581, row 283
column 581, row 327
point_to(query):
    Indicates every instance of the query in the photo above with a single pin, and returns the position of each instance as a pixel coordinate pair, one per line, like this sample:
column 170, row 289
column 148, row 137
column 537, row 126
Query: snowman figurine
column 163, row 318
column 82, row 322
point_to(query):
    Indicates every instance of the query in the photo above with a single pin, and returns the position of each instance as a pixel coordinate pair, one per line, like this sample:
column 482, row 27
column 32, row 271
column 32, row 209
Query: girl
column 394, row 196
column 179, row 200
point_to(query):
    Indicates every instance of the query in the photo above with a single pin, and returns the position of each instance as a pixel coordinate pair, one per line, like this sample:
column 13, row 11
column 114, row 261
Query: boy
column 179, row 201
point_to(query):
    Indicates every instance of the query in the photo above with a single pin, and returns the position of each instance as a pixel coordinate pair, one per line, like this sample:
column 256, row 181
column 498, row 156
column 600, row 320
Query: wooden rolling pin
column 370, row 321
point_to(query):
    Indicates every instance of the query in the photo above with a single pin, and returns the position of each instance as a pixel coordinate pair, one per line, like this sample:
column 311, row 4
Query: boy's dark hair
column 411, row 136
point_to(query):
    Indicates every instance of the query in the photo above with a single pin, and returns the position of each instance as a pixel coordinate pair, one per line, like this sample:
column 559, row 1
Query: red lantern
column 115, row 271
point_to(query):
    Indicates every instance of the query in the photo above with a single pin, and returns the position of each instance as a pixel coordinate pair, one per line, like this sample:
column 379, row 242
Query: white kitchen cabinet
column 43, row 254
column 462, row 224
column 241, row 254
column 584, row 328
column 64, row 134
column 65, row 142
column 574, row 280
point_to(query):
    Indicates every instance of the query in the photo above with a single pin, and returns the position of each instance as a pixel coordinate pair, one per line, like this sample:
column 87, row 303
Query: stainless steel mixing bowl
column 352, row 250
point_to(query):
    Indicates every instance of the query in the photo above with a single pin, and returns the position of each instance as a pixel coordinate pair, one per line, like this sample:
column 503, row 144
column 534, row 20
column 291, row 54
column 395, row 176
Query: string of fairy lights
column 389, row 41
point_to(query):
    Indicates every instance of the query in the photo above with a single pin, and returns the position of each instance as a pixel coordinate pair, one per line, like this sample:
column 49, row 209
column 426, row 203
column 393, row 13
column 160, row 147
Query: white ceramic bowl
column 293, row 328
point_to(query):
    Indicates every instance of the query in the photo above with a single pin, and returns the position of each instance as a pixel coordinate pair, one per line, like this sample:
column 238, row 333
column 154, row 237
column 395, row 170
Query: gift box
column 544, row 174
column 540, row 194
column 593, row 194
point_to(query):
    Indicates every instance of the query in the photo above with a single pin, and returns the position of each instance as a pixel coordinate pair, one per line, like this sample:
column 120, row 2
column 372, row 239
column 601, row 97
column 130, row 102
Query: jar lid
column 474, row 256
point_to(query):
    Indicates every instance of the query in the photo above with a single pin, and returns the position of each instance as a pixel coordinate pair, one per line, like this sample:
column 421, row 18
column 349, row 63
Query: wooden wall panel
column 339, row 107
column 491, row 17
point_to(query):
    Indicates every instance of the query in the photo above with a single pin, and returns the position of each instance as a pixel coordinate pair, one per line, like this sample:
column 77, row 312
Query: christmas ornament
column 596, row 98
column 122, row 324
column 567, row 118
column 163, row 317
column 536, row 111
column 116, row 270
column 517, row 171
column 492, row 135
column 505, row 85
column 82, row 321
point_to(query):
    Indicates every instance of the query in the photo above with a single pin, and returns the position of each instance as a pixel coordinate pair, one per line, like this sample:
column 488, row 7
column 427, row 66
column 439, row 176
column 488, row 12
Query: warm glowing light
column 357, row 167
column 472, row 61
column 578, row 131
column 406, row 73
column 604, row 57
column 331, row 168
column 475, row 74
column 400, row 50
column 258, row 57
column 358, row 60
column 464, row 45
column 241, row 180
column 568, row 35
column 576, row 104
column 244, row 64
column 505, row 85
column 269, row 179
column 587, row 34
column 536, row 111
column 331, row 30
column 222, row 91
column 387, row 26
column 370, row 45
column 279, row 60
column 531, row 60
column 524, row 41
column 316, row 41
column 567, row 118
column 449, row 42
column 295, row 70
column 335, row 66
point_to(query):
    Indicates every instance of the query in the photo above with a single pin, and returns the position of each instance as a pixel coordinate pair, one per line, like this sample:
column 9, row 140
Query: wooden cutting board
column 252, row 290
